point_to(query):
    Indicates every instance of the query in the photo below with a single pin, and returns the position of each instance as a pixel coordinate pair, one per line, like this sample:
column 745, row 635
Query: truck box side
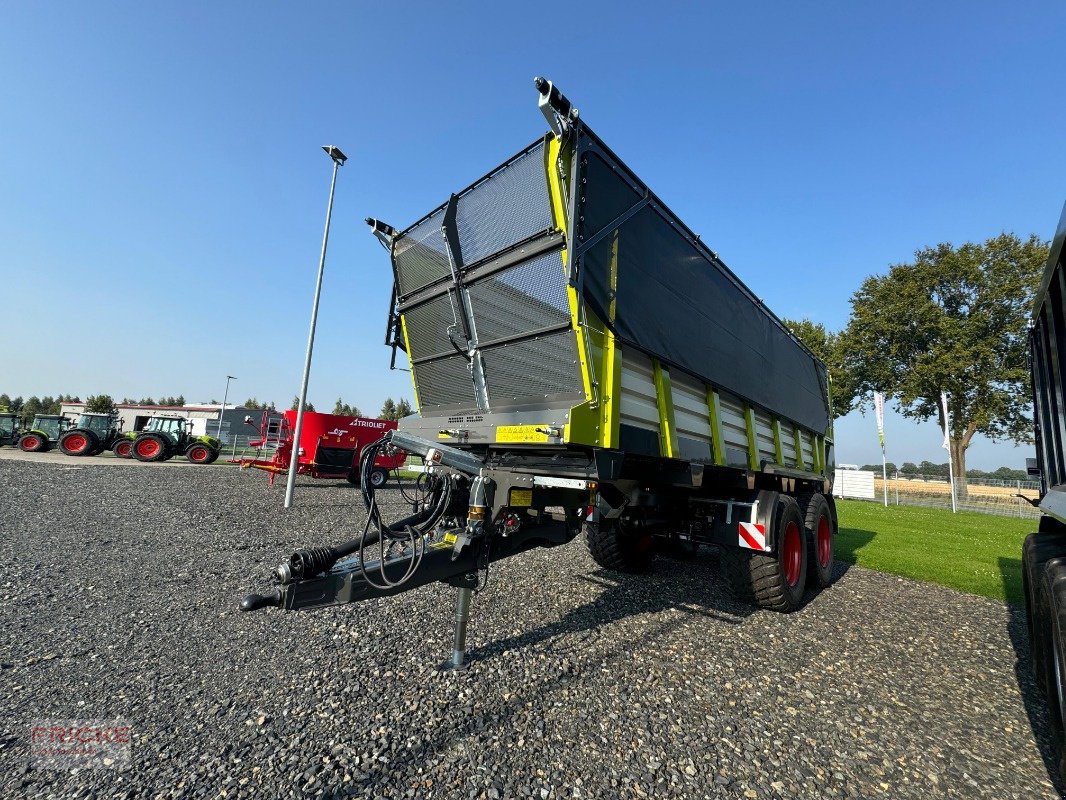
column 1048, row 350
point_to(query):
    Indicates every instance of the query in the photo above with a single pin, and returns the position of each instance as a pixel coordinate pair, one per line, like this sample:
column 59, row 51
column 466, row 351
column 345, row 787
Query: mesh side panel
column 445, row 382
column 533, row 368
column 427, row 327
column 510, row 205
column 421, row 255
column 525, row 298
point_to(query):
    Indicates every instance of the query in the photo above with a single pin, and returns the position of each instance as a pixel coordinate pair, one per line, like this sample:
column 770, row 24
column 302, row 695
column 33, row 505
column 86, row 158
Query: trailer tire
column 614, row 546
column 378, row 477
column 776, row 581
column 150, row 448
column 1053, row 587
column 821, row 531
column 1037, row 551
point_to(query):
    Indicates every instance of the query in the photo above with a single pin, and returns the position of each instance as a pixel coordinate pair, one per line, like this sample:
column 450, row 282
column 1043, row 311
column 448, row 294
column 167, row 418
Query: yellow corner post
column 664, row 399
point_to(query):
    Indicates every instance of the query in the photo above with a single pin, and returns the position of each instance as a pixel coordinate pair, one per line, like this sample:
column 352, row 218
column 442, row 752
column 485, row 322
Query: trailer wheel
column 123, row 448
column 619, row 546
column 378, row 477
column 77, row 443
column 772, row 581
column 1053, row 586
column 1038, row 550
column 149, row 448
column 32, row 443
column 818, row 519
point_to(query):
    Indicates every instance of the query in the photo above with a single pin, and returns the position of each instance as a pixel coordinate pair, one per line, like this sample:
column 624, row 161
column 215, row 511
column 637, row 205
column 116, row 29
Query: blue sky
column 162, row 189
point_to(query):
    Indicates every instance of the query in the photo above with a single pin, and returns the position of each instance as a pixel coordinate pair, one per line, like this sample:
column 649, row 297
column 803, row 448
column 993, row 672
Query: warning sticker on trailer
column 520, row 433
column 752, row 536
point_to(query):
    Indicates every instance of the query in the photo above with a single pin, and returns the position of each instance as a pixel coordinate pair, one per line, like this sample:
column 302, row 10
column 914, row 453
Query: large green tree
column 102, row 403
column 827, row 346
column 952, row 321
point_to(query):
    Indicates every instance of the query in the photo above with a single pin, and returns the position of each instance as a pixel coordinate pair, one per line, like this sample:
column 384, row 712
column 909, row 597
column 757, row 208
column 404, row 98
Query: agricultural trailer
column 1044, row 552
column 583, row 363
column 330, row 446
column 9, row 427
column 164, row 437
column 93, row 433
column 44, row 433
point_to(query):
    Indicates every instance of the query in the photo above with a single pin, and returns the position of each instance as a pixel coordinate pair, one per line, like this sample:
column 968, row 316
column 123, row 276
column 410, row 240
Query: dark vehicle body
column 1044, row 552
column 9, row 427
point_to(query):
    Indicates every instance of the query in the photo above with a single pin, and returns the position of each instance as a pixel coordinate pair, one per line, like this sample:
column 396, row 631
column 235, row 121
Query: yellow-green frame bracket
column 753, row 446
column 779, row 453
column 665, row 401
column 818, row 449
column 799, row 448
column 714, row 416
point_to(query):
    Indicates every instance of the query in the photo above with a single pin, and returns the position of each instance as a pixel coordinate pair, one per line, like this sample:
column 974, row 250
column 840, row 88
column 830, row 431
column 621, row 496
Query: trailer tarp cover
column 673, row 299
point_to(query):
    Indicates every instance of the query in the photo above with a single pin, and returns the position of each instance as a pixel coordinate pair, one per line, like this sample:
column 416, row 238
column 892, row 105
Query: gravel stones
column 119, row 592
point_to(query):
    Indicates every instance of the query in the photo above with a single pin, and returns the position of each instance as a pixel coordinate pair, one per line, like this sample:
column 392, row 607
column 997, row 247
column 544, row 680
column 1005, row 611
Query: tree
column 342, row 408
column 5, row 401
column 296, row 405
column 403, row 409
column 388, row 410
column 30, row 409
column 909, row 468
column 953, row 321
column 827, row 346
column 102, row 403
column 251, row 402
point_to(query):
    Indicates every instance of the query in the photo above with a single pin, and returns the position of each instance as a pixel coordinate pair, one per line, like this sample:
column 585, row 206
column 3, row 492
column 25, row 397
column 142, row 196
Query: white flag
column 947, row 421
column 879, row 405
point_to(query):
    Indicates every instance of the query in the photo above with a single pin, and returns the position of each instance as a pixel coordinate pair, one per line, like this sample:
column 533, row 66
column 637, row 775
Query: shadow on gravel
column 1035, row 704
column 849, row 542
column 692, row 586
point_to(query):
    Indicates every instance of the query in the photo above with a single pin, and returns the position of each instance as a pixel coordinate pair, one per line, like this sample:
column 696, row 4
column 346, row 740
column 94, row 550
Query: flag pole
column 947, row 446
column 879, row 404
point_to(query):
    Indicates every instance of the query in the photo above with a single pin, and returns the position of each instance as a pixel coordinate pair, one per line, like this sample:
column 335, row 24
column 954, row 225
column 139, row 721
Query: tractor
column 165, row 437
column 9, row 427
column 92, row 434
column 44, row 433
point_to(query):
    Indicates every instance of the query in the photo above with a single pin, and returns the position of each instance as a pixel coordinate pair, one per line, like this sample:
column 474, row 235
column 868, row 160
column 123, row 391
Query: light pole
column 225, row 397
column 338, row 159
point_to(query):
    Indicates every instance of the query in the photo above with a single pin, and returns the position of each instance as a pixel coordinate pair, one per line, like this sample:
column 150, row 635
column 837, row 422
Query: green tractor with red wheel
column 165, row 437
column 44, row 433
column 92, row 434
column 9, row 427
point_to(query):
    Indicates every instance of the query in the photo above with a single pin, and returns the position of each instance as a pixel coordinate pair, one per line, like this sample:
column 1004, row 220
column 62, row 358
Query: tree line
column 928, row 468
column 390, row 409
column 954, row 320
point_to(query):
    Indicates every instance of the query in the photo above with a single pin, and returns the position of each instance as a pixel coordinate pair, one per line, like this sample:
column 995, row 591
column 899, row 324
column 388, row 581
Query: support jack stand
column 458, row 660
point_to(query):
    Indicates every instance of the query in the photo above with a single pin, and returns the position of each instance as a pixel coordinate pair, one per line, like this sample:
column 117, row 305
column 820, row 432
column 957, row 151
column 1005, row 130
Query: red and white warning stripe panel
column 752, row 535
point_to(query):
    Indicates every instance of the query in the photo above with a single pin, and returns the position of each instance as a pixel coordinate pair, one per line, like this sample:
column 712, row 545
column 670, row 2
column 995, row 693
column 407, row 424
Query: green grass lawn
column 978, row 553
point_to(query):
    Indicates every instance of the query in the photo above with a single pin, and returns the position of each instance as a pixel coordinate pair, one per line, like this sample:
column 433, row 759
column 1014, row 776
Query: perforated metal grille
column 508, row 206
column 421, row 256
column 427, row 328
column 533, row 368
column 522, row 299
column 445, row 382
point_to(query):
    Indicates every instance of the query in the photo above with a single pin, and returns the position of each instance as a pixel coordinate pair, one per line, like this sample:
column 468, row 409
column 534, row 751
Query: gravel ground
column 120, row 590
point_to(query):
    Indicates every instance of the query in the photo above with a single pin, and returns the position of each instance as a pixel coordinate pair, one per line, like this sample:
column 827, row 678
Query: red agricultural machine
column 330, row 446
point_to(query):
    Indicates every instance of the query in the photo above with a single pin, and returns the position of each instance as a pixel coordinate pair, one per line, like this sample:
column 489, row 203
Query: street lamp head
column 335, row 153
column 231, row 377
